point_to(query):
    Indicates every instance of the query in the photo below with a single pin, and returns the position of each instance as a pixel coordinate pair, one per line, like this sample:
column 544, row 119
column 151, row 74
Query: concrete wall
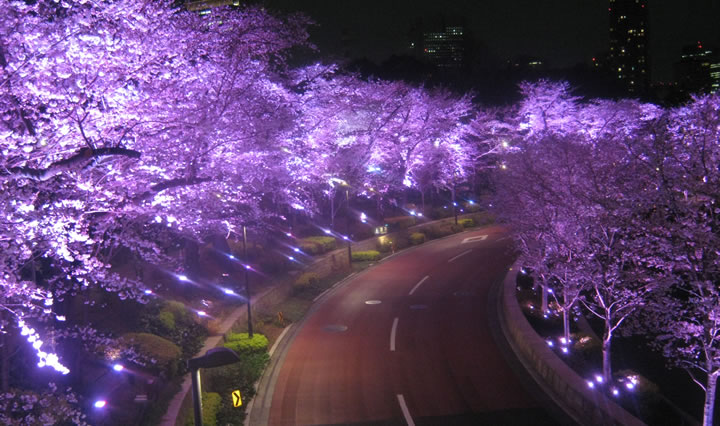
column 562, row 384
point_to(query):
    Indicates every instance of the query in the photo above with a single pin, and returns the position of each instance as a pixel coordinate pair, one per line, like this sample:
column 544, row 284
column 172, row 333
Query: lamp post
column 216, row 357
column 247, row 283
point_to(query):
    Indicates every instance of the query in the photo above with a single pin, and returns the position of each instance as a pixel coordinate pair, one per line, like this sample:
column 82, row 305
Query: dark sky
column 563, row 32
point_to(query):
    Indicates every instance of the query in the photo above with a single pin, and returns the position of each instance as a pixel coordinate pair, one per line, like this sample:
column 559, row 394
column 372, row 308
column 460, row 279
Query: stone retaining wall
column 560, row 382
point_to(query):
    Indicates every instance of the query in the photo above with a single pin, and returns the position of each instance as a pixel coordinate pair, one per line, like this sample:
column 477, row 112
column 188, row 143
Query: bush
column 399, row 222
column 211, row 403
column 165, row 353
column 417, row 238
column 241, row 375
column 173, row 321
column 178, row 310
column 437, row 231
column 317, row 245
column 166, row 320
column 241, row 343
column 466, row 223
column 384, row 246
column 456, row 228
column 307, row 279
column 362, row 256
column 484, row 218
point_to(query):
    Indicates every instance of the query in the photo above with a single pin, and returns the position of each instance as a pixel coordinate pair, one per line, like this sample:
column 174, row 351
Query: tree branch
column 77, row 161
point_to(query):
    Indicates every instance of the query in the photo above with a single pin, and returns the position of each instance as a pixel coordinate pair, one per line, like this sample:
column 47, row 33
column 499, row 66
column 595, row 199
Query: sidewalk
column 171, row 416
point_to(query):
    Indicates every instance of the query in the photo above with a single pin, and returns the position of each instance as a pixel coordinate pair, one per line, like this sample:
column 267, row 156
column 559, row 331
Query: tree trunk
column 191, row 250
column 4, row 359
column 607, row 368
column 566, row 316
column 422, row 197
column 709, row 398
column 544, row 302
column 332, row 211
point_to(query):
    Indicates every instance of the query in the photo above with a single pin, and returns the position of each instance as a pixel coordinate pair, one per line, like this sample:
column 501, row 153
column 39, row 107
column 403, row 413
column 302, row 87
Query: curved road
column 407, row 342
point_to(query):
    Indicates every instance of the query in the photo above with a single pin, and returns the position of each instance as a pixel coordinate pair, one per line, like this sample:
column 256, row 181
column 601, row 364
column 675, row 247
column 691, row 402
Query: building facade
column 628, row 59
column 445, row 49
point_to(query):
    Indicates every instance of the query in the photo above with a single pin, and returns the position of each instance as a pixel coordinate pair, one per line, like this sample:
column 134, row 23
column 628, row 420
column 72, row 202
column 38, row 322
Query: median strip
column 418, row 285
column 405, row 411
column 460, row 255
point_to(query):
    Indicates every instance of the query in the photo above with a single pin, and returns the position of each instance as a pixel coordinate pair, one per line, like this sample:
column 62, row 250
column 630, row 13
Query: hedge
column 437, row 231
column 307, row 279
column 416, row 238
column 362, row 256
column 317, row 244
column 466, row 223
column 384, row 246
column 164, row 352
column 241, row 343
column 399, row 222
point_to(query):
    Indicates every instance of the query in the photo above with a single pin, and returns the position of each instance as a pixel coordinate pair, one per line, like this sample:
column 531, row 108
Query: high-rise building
column 445, row 49
column 628, row 59
column 698, row 70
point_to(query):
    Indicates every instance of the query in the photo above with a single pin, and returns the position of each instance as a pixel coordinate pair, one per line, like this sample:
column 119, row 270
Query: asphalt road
column 408, row 341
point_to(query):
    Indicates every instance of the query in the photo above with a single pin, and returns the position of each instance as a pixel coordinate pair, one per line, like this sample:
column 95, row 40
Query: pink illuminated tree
column 125, row 125
column 683, row 157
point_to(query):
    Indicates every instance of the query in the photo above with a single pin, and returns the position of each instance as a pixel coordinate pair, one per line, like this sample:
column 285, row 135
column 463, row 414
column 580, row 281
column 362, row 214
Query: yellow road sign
column 237, row 401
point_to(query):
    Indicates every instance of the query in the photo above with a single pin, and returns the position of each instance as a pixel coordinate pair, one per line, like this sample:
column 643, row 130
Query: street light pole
column 247, row 283
column 216, row 357
column 197, row 396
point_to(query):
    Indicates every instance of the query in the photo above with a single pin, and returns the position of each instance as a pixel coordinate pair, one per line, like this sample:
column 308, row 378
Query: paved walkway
column 170, row 417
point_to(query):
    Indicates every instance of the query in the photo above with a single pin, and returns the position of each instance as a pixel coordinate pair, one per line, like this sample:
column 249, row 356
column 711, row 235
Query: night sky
column 562, row 32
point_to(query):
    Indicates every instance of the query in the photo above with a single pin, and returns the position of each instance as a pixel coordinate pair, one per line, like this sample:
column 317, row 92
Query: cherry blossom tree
column 581, row 185
column 682, row 155
column 124, row 125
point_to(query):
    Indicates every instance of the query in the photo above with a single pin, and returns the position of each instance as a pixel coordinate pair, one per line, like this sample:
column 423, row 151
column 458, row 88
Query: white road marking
column 418, row 285
column 393, row 331
column 405, row 411
column 474, row 239
column 459, row 255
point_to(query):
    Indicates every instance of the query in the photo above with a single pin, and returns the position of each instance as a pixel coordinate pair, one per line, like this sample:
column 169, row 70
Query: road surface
column 408, row 341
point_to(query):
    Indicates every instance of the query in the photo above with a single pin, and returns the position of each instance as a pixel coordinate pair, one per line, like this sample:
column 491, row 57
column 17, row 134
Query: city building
column 628, row 58
column 445, row 49
column 698, row 70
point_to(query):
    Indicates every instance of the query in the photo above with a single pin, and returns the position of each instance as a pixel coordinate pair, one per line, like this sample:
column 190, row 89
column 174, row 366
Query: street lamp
column 247, row 283
column 216, row 357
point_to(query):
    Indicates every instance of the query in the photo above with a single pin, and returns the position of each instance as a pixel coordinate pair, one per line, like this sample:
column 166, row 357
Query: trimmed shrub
column 484, row 218
column 241, row 375
column 173, row 321
column 417, row 238
column 363, row 256
column 165, row 353
column 399, row 222
column 167, row 321
column 211, row 403
column 466, row 223
column 317, row 244
column 437, row 231
column 241, row 343
column 178, row 309
column 384, row 246
column 307, row 279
